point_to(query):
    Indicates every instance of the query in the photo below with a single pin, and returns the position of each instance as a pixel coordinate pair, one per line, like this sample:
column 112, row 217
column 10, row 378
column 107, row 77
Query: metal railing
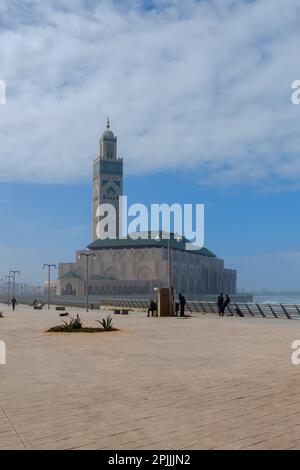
column 281, row 311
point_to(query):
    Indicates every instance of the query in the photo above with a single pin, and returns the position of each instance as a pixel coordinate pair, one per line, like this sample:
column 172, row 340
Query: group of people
column 179, row 307
column 223, row 304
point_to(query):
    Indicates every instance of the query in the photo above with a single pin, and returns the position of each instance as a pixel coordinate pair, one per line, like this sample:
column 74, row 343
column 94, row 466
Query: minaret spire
column 108, row 178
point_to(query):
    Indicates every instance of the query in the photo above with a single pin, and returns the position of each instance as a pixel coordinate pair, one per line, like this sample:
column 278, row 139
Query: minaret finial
column 108, row 123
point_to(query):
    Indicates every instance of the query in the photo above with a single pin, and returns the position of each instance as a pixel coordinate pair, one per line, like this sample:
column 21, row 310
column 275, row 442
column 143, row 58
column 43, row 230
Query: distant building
column 127, row 266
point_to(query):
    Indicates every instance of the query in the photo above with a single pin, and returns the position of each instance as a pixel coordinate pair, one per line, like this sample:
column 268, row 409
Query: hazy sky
column 199, row 95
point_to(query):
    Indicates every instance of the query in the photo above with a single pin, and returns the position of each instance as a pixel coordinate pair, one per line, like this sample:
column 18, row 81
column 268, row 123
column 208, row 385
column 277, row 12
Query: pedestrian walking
column 14, row 303
column 182, row 302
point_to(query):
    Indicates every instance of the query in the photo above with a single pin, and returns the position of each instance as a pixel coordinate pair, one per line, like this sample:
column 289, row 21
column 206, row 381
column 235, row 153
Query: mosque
column 126, row 266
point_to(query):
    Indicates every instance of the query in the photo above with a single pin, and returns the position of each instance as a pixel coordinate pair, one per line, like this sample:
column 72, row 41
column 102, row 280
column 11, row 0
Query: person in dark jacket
column 14, row 303
column 220, row 302
column 182, row 302
column 225, row 304
column 152, row 308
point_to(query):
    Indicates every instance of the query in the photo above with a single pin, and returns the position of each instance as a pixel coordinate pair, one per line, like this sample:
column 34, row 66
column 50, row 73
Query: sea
column 277, row 298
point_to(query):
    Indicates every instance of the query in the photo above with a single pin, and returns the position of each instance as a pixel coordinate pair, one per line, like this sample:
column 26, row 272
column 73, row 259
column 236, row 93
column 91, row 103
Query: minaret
column 108, row 176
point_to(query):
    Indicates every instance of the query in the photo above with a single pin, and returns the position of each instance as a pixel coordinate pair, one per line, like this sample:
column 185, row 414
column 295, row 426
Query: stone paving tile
column 201, row 383
column 9, row 440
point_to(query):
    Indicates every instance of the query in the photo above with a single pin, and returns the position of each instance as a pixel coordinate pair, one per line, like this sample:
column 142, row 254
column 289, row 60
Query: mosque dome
column 108, row 134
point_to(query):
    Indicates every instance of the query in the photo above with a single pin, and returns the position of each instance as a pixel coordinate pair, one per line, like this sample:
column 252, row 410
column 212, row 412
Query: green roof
column 99, row 277
column 146, row 243
column 70, row 275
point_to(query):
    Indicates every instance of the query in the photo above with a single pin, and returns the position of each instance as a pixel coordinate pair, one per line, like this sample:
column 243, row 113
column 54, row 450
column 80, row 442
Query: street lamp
column 9, row 277
column 1, row 281
column 13, row 273
column 156, row 290
column 171, row 310
column 87, row 255
column 49, row 266
column 158, row 237
column 178, row 239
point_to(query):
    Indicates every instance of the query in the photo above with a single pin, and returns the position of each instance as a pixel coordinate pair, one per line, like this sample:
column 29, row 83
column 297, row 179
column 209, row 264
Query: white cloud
column 202, row 85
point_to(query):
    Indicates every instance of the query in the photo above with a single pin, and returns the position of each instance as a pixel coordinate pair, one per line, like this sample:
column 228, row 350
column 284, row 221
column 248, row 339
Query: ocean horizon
column 277, row 297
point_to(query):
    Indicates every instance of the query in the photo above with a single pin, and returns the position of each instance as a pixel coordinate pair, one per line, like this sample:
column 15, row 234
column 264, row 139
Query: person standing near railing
column 225, row 304
column 220, row 302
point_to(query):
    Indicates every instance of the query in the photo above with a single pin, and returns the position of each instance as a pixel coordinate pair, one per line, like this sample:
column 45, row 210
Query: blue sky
column 199, row 95
column 255, row 232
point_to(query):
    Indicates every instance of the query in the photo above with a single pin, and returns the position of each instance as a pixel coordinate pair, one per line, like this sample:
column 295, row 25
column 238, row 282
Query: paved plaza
column 158, row 383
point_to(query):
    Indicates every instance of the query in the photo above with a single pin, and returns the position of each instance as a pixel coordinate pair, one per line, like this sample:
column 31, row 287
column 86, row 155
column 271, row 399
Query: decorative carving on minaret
column 108, row 176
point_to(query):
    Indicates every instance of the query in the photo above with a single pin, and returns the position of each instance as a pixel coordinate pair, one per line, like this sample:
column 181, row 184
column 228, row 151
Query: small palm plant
column 107, row 324
column 74, row 324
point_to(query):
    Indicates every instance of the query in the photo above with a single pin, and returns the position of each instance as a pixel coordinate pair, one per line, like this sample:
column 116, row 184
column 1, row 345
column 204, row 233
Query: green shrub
column 76, row 326
column 75, row 323
column 62, row 329
column 106, row 324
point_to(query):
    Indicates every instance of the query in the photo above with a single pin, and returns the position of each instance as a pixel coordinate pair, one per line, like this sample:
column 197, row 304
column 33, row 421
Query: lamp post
column 1, row 281
column 159, row 237
column 87, row 255
column 156, row 289
column 170, row 277
column 9, row 277
column 13, row 273
column 49, row 266
column 178, row 239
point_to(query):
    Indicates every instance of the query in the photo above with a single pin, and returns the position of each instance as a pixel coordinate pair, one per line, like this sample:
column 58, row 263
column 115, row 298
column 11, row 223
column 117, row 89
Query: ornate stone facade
column 107, row 177
column 126, row 266
column 138, row 269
